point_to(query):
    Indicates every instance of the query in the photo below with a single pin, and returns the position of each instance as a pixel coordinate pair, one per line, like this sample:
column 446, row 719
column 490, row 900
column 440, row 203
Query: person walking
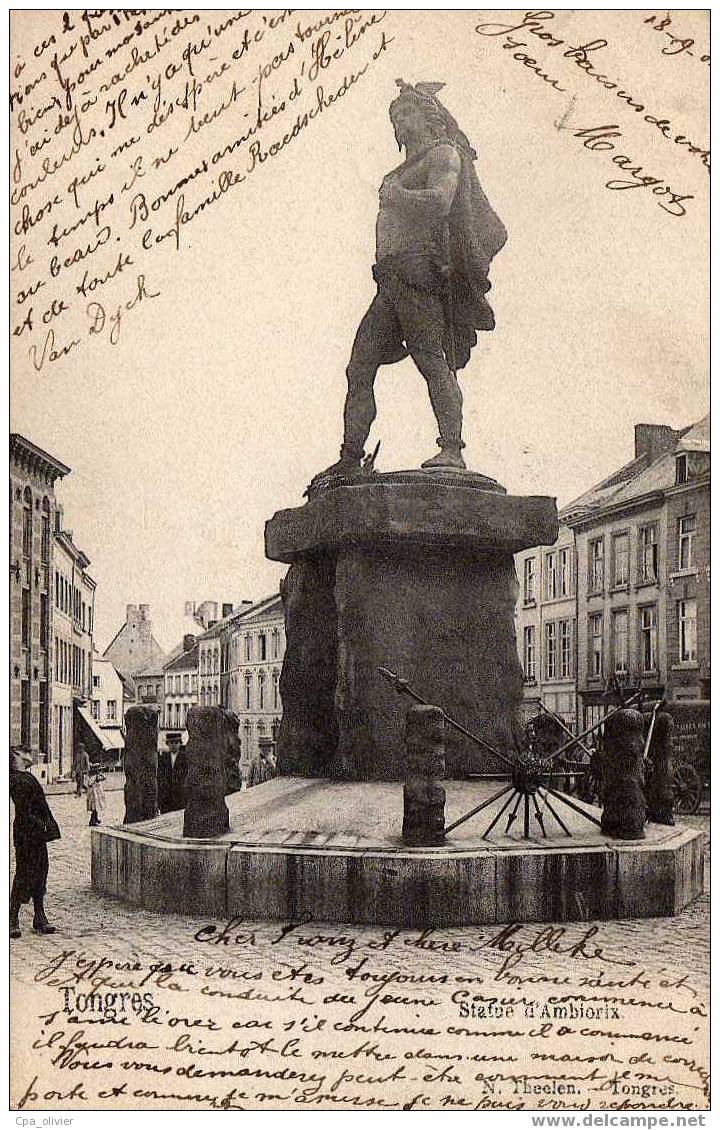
column 34, row 826
column 82, row 768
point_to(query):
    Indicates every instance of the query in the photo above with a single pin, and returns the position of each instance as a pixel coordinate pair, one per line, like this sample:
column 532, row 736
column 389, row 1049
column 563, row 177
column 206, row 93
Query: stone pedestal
column 411, row 571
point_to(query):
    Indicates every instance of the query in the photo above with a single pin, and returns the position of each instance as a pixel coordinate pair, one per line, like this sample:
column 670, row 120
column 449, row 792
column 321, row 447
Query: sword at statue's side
column 449, row 308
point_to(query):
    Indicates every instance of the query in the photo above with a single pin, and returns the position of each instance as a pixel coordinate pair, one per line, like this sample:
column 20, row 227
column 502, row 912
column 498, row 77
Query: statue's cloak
column 476, row 234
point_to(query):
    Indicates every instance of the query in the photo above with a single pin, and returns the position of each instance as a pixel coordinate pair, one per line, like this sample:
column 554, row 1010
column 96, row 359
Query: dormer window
column 681, row 469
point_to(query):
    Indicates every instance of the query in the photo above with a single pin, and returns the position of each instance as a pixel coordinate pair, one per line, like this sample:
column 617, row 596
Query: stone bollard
column 423, row 795
column 206, row 813
column 233, row 777
column 659, row 791
column 623, row 815
column 141, row 764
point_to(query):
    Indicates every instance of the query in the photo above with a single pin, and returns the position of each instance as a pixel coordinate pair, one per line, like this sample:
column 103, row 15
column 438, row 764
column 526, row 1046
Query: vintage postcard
column 359, row 560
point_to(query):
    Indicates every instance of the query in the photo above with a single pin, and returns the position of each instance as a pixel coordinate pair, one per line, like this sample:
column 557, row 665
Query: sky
column 223, row 398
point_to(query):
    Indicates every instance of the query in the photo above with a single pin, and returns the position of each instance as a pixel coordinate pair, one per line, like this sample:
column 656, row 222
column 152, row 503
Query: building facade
column 181, row 690
column 33, row 510
column 210, row 649
column 642, row 541
column 546, row 627
column 72, row 633
column 253, row 646
column 134, row 647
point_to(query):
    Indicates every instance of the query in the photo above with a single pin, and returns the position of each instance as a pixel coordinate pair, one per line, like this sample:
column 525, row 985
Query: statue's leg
column 423, row 321
column 378, row 341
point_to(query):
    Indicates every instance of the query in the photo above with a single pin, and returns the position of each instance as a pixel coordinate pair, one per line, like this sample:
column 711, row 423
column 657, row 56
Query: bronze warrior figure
column 436, row 235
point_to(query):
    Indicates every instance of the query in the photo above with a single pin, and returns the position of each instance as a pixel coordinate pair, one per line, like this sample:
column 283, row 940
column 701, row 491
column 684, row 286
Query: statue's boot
column 449, row 456
column 349, row 463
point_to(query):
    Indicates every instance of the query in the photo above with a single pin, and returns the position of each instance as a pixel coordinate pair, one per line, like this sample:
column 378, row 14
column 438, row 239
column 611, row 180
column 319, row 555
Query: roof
column 187, row 661
column 640, row 478
column 261, row 610
column 64, row 538
column 149, row 672
column 27, row 454
column 697, row 437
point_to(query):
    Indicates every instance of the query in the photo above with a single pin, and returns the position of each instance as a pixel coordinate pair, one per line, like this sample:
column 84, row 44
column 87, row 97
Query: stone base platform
column 331, row 851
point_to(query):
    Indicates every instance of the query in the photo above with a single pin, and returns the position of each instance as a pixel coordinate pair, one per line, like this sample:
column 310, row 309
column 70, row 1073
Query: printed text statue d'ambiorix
column 436, row 236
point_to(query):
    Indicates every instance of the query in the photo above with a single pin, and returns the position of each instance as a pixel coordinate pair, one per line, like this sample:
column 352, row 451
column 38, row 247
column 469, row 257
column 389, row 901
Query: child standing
column 96, row 795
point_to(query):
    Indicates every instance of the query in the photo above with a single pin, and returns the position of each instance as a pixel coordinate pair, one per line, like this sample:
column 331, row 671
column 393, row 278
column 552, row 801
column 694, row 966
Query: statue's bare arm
column 442, row 181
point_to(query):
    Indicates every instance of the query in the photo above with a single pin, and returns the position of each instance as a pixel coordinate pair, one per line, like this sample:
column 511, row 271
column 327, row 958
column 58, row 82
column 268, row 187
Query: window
column 275, row 643
column 96, row 680
column 261, row 689
column 25, row 713
column 565, row 561
column 158, row 688
column 262, row 641
column 26, row 627
column 596, row 643
column 44, row 717
column 57, row 589
column 529, row 652
column 648, row 563
column 687, row 625
column 551, row 650
column 45, row 544
column 44, row 622
column 186, row 684
column 112, row 710
column 276, row 690
column 686, row 537
column 565, row 649
column 551, row 576
column 596, row 565
column 529, row 580
column 681, row 469
column 621, row 560
column 248, row 648
column 648, row 638
column 27, row 523
column 95, row 709
column 202, row 664
column 248, row 691
column 620, row 641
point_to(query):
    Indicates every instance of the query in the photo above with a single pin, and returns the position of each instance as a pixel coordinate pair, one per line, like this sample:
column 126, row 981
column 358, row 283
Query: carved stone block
column 423, row 795
column 623, row 814
column 141, row 764
column 659, row 792
column 233, row 776
column 206, row 813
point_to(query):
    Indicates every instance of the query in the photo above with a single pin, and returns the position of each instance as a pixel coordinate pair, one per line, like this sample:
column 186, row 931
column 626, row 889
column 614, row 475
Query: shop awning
column 108, row 739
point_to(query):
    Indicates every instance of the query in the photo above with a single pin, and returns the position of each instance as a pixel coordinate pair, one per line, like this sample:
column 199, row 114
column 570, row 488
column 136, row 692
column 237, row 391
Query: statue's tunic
column 431, row 268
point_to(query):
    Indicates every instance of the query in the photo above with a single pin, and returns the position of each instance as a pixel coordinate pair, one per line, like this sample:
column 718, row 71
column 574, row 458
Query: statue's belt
column 421, row 270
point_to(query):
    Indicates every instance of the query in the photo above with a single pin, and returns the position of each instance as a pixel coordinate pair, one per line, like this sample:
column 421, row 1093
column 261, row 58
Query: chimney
column 188, row 642
column 654, row 440
column 130, row 612
column 144, row 611
column 226, row 610
column 189, row 607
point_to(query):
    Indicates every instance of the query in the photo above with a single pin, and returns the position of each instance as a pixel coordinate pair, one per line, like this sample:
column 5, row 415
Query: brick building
column 73, row 599
column 33, row 509
column 642, row 544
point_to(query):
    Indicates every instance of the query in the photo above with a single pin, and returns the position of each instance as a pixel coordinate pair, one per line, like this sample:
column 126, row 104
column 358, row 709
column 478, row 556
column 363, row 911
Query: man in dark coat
column 179, row 773
column 33, row 826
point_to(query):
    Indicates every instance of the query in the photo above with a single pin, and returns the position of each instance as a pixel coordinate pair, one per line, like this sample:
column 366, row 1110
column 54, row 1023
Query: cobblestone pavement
column 80, row 915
